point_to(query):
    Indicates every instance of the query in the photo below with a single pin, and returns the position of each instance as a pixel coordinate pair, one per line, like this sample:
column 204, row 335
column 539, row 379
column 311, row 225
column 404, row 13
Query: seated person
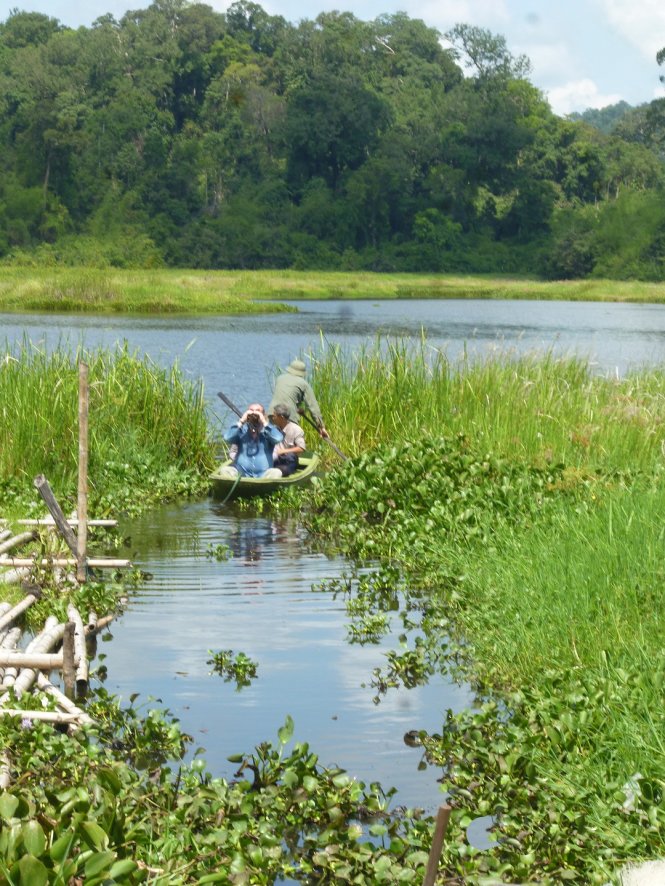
column 255, row 438
column 286, row 453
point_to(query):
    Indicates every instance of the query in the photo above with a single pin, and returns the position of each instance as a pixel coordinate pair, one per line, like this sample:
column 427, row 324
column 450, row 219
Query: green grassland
column 243, row 292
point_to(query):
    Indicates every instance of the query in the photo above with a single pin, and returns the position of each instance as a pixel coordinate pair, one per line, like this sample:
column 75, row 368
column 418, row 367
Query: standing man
column 292, row 389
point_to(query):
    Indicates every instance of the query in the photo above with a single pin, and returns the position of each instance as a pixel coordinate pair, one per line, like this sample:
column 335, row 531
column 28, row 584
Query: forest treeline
column 181, row 136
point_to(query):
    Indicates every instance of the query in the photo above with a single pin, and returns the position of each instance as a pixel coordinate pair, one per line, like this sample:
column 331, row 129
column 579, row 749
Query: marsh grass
column 542, row 409
column 113, row 290
column 522, row 499
column 148, row 427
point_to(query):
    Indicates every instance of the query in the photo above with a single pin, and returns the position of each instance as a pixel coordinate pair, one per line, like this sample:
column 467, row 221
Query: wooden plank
column 65, row 530
column 442, row 819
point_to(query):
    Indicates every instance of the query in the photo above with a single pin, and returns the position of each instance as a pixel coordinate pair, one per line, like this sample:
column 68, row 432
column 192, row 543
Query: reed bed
column 543, row 409
column 148, row 426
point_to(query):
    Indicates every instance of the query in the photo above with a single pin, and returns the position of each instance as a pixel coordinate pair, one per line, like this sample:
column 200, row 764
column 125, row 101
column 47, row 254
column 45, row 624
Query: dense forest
column 181, row 136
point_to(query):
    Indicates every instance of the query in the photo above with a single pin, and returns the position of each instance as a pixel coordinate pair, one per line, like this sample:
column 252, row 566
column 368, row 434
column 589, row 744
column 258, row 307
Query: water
column 261, row 601
column 238, row 355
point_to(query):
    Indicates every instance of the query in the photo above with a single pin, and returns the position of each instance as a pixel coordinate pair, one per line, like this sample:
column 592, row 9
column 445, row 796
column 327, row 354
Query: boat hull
column 246, row 487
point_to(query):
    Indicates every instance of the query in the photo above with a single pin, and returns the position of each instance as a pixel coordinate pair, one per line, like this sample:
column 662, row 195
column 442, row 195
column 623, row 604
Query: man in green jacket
column 295, row 392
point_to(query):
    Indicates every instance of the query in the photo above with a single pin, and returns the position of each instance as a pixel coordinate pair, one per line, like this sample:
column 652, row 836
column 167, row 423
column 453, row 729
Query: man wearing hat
column 292, row 389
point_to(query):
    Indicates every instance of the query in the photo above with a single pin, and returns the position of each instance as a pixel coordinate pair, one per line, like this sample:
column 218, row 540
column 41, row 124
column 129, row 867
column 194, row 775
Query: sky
column 584, row 53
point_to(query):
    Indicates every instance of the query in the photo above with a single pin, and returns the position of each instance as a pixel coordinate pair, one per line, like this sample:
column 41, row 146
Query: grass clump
column 148, row 431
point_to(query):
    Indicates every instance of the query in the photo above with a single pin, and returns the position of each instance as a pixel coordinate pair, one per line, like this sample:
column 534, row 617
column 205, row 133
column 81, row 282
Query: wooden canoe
column 223, row 487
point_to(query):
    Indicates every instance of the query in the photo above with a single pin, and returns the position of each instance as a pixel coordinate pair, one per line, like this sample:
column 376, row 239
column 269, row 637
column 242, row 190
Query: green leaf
column 8, row 805
column 98, row 862
column 60, row 848
column 214, row 878
column 285, row 732
column 33, row 837
column 94, row 835
column 33, row 872
column 122, row 868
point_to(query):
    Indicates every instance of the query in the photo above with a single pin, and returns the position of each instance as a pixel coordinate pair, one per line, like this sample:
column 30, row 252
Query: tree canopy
column 178, row 135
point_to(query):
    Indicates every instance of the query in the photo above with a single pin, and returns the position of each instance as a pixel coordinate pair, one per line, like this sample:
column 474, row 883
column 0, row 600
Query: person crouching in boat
column 256, row 439
column 286, row 453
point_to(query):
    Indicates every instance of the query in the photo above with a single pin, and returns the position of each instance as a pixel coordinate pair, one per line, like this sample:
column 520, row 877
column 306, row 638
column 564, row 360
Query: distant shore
column 178, row 291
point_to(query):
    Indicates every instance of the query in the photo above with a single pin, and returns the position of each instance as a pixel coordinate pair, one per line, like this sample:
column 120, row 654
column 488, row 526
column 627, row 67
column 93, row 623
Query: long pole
column 82, row 508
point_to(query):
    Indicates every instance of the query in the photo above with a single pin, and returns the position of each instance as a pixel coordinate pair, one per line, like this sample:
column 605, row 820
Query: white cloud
column 578, row 95
column 640, row 22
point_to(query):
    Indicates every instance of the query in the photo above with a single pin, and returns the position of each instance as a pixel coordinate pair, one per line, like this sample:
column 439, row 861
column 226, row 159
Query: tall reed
column 144, row 420
column 540, row 408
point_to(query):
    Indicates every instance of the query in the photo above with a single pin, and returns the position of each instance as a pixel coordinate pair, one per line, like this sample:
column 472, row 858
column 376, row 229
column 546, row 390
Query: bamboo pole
column 9, row 641
column 47, row 716
column 5, row 534
column 15, row 541
column 42, row 643
column 46, row 661
column 100, row 624
column 42, row 486
column 79, row 650
column 61, row 699
column 13, row 576
column 72, row 521
column 15, row 611
column 82, row 506
column 68, row 660
column 96, row 562
column 442, row 819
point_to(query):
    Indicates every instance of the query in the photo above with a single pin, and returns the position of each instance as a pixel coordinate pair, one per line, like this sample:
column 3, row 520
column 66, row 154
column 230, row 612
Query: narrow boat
column 243, row 487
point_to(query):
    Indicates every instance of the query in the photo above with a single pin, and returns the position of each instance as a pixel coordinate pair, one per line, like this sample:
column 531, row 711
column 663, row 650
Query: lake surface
column 265, row 600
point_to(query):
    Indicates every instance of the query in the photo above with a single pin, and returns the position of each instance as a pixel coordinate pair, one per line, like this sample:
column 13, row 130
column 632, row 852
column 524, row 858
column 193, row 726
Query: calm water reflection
column 261, row 602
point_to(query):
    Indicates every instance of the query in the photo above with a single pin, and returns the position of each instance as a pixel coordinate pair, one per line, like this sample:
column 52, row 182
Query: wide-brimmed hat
column 297, row 367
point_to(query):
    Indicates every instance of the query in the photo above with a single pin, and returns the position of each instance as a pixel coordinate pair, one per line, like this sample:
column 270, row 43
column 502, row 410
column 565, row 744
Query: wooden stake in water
column 437, row 845
column 82, row 509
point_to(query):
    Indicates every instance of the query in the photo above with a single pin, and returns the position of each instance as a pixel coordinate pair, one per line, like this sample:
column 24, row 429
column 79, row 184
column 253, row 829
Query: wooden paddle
column 327, row 439
column 231, row 406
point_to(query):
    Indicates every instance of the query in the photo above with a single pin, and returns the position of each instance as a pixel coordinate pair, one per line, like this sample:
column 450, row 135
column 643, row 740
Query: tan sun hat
column 297, row 367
